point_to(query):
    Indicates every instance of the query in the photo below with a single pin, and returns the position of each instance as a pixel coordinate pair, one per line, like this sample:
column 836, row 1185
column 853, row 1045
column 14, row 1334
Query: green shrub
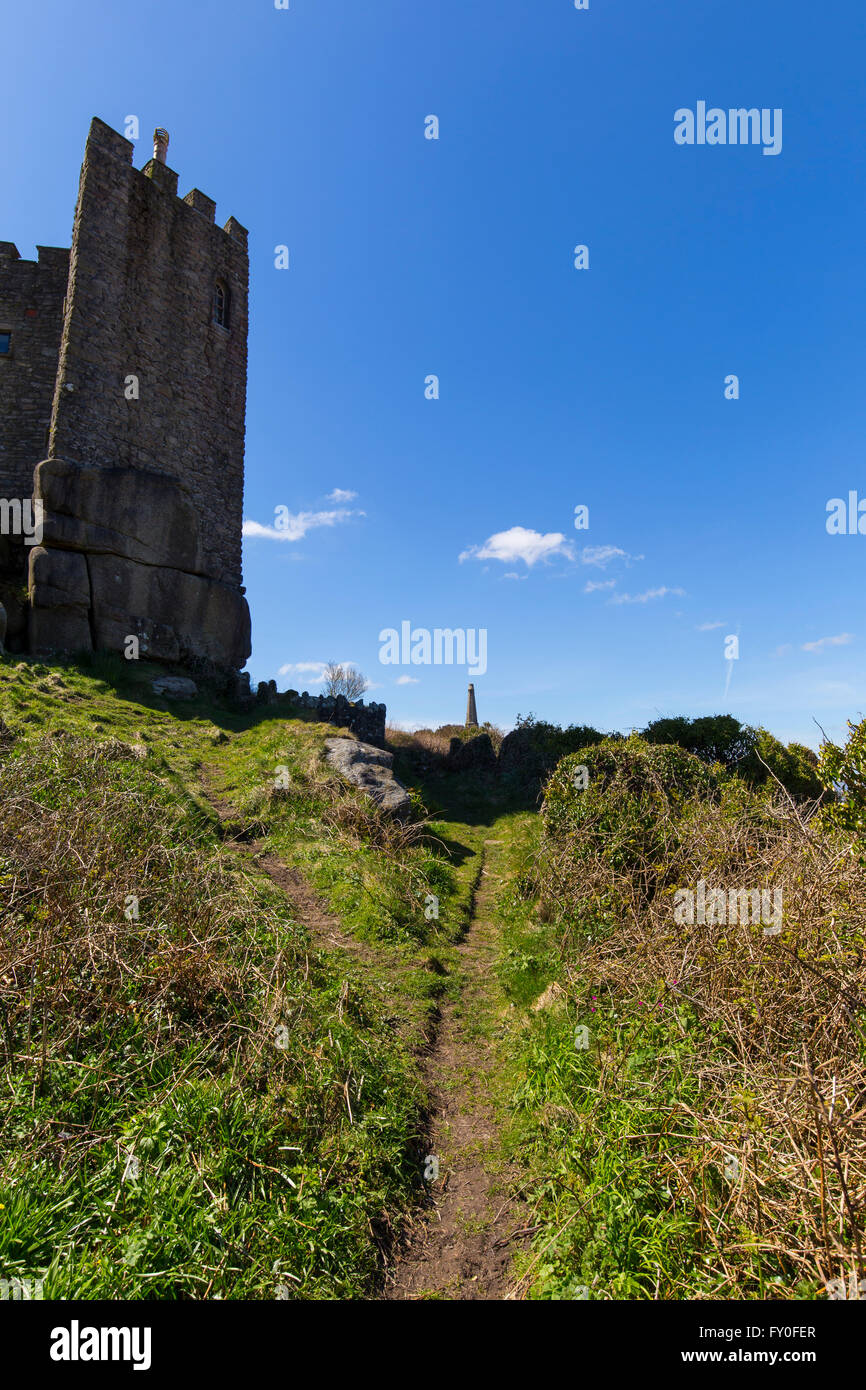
column 796, row 767
column 843, row 772
column 753, row 754
column 623, row 812
column 714, row 738
column 533, row 748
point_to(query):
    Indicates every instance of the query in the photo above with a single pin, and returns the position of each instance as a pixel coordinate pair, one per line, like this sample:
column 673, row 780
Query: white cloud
column 519, row 543
column 709, row 627
column 645, row 597
column 341, row 494
column 602, row 555
column 592, row 584
column 408, row 680
column 841, row 641
column 300, row 667
column 314, row 669
column 311, row 672
column 511, row 575
column 297, row 524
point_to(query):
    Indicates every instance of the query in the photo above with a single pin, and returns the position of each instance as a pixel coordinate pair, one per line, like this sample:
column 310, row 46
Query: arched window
column 222, row 303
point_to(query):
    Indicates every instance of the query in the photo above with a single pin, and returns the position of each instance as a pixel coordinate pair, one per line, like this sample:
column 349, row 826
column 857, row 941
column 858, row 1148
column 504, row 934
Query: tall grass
column 707, row 1140
column 196, row 1105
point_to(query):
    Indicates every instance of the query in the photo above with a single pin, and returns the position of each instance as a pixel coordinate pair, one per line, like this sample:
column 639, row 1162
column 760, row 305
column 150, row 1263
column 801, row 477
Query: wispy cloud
column 295, row 525
column 315, row 670
column 645, row 597
column 709, row 627
column 592, row 584
column 520, row 543
column 841, row 641
column 602, row 555
column 341, row 494
column 408, row 680
column 299, row 668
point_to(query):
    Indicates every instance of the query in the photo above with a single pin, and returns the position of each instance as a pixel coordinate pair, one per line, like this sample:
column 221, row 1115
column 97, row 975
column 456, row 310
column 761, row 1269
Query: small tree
column 344, row 680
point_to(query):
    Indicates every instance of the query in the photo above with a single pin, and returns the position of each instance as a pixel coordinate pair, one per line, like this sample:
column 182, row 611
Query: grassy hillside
column 225, row 979
column 198, row 1100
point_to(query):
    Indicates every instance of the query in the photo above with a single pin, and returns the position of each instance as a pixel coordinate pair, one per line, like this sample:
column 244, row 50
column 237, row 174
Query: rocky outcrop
column 174, row 688
column 82, row 602
column 60, row 602
column 130, row 512
column 176, row 616
column 370, row 769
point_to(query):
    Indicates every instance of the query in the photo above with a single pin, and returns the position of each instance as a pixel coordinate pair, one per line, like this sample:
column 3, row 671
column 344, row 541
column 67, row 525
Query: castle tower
column 471, row 712
column 142, row 479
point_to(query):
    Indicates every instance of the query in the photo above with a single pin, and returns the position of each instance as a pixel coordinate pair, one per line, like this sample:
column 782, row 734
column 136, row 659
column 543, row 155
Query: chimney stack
column 471, row 711
column 160, row 144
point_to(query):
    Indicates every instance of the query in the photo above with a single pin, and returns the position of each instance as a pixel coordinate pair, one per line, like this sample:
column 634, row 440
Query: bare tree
column 344, row 680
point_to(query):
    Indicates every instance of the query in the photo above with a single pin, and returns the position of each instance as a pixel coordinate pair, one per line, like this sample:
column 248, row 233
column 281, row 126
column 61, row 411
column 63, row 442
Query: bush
column 624, row 806
column 715, row 738
column 737, row 1051
column 753, row 754
column 533, row 748
column 796, row 767
column 843, row 773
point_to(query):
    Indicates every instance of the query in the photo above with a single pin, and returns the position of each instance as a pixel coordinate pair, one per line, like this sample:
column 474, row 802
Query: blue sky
column 558, row 387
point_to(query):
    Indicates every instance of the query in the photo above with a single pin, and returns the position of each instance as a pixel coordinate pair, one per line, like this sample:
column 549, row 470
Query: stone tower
column 141, row 480
column 471, row 712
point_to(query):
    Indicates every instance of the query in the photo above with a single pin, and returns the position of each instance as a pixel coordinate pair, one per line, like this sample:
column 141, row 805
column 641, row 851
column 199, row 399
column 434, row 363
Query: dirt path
column 326, row 931
column 463, row 1249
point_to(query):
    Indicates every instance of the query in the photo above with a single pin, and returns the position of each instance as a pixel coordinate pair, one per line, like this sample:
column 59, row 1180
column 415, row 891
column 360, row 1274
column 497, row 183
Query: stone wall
column 143, row 483
column 32, row 295
column 367, row 722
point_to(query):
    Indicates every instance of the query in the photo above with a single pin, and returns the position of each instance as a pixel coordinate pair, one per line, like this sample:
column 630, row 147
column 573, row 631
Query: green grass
column 266, row 1170
column 156, row 1140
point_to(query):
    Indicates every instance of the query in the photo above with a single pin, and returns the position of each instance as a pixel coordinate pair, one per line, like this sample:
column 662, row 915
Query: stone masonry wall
column 143, row 482
column 32, row 295
column 366, row 721
column 141, row 284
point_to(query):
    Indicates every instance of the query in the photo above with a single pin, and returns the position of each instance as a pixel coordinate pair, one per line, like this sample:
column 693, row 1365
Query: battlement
column 107, row 141
column 47, row 257
column 111, row 141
